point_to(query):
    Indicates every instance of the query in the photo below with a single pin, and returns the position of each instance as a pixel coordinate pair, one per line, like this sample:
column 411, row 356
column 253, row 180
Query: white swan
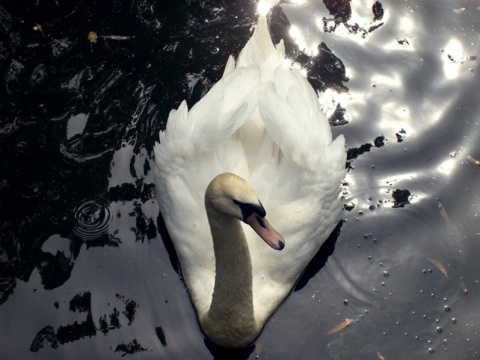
column 263, row 123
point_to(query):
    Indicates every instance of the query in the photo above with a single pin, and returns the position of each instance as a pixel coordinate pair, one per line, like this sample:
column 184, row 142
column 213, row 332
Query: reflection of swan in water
column 262, row 122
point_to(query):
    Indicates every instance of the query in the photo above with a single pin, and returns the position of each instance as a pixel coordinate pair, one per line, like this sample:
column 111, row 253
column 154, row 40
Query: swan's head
column 231, row 195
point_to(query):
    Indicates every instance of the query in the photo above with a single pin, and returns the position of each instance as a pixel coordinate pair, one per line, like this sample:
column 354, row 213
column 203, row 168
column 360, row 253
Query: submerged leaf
column 439, row 265
column 473, row 160
column 443, row 212
column 460, row 10
column 340, row 326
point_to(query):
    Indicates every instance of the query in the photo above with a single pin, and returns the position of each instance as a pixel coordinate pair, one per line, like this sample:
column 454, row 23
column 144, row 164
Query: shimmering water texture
column 86, row 267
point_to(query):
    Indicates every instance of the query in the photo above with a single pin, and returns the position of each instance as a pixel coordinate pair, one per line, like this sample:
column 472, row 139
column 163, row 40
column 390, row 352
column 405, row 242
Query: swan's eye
column 249, row 209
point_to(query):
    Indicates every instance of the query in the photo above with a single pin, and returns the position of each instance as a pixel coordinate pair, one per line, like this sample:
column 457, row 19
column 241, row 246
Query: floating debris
column 38, row 27
column 460, row 10
column 473, row 160
column 131, row 348
column 340, row 326
column 377, row 10
column 439, row 266
column 93, row 37
column 161, row 335
column 380, row 356
column 443, row 212
column 401, row 198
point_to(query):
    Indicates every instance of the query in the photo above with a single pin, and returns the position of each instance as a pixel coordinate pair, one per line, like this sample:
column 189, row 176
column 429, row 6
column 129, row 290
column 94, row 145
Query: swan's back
column 263, row 122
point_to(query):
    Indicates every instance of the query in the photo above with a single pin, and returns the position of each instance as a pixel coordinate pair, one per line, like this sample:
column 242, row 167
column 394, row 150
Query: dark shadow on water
column 222, row 353
column 320, row 258
column 167, row 242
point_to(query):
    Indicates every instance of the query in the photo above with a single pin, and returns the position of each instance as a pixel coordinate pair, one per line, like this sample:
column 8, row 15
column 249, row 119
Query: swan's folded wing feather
column 297, row 109
column 304, row 203
column 214, row 118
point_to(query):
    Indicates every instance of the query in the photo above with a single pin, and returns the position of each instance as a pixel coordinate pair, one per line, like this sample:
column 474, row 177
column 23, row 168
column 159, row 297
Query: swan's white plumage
column 263, row 122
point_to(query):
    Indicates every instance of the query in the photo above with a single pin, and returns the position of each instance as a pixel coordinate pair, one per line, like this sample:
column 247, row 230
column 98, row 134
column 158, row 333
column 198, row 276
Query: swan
column 259, row 130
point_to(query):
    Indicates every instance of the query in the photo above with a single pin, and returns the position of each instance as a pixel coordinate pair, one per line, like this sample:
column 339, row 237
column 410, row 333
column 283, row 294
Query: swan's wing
column 187, row 160
column 302, row 195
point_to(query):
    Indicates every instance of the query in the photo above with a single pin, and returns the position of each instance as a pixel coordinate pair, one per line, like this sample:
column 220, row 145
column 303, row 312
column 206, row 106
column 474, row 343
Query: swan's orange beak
column 261, row 226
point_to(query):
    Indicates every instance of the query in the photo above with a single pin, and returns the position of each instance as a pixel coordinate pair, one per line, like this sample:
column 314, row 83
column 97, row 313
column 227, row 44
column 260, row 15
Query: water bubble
column 454, row 321
column 386, row 273
column 439, row 329
column 345, row 302
column 447, row 308
column 215, row 50
column 431, row 351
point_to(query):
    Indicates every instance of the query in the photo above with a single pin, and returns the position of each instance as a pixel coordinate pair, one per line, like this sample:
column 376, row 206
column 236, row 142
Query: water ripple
column 92, row 219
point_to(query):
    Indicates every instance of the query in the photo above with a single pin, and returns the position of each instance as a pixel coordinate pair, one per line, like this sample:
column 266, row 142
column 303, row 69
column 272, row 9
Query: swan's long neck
column 231, row 313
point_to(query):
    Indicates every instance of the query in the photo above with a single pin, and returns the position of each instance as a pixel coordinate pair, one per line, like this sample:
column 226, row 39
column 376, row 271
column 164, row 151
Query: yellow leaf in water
column 473, row 160
column 92, row 36
column 340, row 326
column 439, row 265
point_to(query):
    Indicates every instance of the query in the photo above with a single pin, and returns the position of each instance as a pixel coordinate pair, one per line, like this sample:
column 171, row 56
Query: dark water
column 85, row 267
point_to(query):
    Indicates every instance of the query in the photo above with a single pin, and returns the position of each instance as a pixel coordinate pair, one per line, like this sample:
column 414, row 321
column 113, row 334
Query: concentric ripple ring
column 92, row 219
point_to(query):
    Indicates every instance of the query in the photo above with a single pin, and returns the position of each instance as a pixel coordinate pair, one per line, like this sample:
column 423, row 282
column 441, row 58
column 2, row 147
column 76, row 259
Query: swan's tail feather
column 260, row 51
